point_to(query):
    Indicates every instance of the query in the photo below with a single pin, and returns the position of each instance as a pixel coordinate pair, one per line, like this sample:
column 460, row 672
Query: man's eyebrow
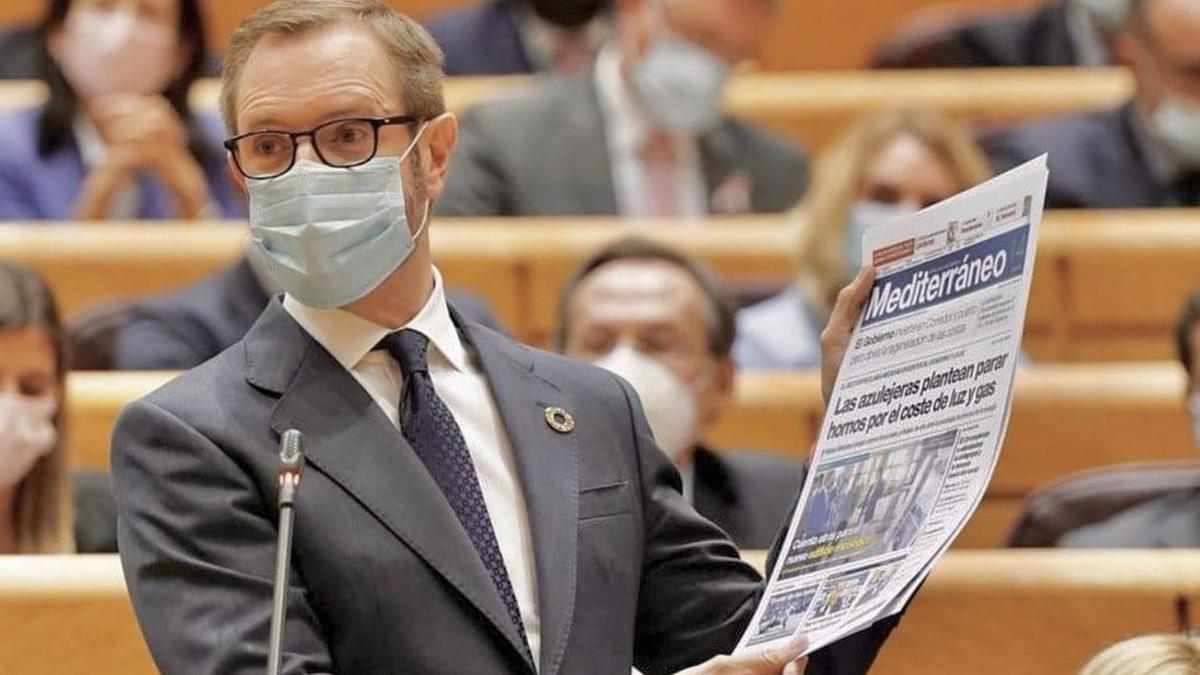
column 273, row 124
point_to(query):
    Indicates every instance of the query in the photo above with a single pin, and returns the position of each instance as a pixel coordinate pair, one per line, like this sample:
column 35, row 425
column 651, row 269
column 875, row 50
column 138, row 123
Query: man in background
column 1145, row 153
column 509, row 37
column 661, row 321
column 641, row 135
column 1171, row 520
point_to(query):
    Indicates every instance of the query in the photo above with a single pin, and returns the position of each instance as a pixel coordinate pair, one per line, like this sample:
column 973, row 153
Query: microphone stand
column 289, row 481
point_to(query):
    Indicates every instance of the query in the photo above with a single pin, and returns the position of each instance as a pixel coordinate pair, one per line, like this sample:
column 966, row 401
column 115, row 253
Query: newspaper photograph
column 918, row 415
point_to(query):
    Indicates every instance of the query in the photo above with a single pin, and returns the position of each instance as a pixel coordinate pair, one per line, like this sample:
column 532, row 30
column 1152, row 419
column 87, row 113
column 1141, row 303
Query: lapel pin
column 560, row 420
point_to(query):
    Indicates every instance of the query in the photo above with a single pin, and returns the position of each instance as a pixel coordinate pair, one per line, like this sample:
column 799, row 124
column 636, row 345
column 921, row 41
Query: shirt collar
column 1165, row 167
column 349, row 337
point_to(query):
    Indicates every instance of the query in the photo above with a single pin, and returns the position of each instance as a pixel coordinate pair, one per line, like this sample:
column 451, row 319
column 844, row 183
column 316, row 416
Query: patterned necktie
column 430, row 428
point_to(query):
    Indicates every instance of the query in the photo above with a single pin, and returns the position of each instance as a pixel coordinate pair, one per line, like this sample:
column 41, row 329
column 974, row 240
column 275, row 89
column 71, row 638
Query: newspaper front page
column 918, row 414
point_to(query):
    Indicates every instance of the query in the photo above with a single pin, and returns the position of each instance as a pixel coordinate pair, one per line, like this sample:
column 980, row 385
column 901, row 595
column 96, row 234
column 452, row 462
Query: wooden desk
column 815, row 107
column 68, row 614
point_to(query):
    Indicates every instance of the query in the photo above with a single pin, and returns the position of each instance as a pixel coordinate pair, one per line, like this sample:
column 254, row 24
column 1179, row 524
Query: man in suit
column 186, row 327
column 468, row 504
column 1145, row 153
column 1171, row 520
column 641, row 135
column 1060, row 33
column 662, row 321
column 510, row 37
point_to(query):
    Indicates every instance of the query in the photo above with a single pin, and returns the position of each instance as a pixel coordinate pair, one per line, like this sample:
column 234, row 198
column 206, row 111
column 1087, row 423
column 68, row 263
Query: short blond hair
column 1158, row 654
column 417, row 59
column 839, row 172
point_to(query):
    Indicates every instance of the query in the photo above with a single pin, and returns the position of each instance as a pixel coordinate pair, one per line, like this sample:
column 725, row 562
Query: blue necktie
column 433, row 433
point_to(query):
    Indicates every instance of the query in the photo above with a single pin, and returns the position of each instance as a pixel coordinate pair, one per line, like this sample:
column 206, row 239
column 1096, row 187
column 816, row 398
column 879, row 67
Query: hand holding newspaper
column 917, row 416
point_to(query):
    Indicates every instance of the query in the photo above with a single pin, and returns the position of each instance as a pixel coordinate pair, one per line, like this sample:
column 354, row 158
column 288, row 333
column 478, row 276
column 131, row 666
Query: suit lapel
column 349, row 439
column 729, row 189
column 584, row 148
column 547, row 462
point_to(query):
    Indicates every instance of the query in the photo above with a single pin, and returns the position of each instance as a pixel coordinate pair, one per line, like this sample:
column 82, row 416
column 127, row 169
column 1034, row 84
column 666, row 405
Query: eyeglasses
column 342, row 143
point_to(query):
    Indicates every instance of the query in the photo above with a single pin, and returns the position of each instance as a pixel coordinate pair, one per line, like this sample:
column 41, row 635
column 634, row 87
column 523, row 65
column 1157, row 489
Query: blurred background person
column 887, row 165
column 663, row 322
column 1159, row 654
column 507, row 37
column 1171, row 519
column 1058, row 33
column 641, row 134
column 116, row 139
column 41, row 509
column 1145, row 153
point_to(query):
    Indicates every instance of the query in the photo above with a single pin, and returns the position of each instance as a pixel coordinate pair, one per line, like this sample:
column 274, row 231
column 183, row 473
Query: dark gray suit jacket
column 1095, row 160
column 184, row 328
column 546, row 154
column 384, row 578
column 1171, row 521
column 746, row 494
column 95, row 512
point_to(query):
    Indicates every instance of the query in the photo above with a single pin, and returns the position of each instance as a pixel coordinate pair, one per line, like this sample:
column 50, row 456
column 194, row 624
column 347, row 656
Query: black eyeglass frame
column 231, row 144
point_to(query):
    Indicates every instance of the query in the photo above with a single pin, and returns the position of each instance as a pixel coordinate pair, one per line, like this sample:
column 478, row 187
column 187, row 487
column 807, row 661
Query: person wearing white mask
column 662, row 321
column 115, row 138
column 1143, row 154
column 640, row 134
column 887, row 164
column 37, row 511
column 469, row 504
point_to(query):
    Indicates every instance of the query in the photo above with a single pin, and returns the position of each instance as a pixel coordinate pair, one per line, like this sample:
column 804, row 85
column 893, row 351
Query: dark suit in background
column 1171, row 521
column 95, row 512
column 1097, row 160
column 385, row 578
column 494, row 173
column 482, row 39
column 184, row 328
column 20, row 50
column 747, row 494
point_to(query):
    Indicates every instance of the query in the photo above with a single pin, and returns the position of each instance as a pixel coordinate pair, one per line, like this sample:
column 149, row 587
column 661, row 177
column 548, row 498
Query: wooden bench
column 982, row 612
column 1066, row 418
column 68, row 614
column 815, row 107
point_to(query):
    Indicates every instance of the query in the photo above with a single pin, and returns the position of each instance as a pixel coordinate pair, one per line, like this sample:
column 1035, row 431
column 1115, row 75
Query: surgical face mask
column 27, row 433
column 668, row 401
column 1176, row 124
column 116, row 52
column 330, row 235
column 863, row 216
column 679, row 83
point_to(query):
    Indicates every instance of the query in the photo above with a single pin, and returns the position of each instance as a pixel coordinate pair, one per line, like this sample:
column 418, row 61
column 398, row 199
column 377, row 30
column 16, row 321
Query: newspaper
column 918, row 414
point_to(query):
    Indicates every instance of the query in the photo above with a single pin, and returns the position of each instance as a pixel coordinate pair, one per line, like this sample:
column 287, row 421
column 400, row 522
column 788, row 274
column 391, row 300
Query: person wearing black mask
column 506, row 37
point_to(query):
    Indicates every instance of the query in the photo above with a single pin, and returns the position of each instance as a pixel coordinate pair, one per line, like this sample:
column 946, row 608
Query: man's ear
column 441, row 135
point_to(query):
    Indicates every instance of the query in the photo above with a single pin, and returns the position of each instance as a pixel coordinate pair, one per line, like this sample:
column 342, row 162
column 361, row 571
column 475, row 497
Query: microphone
column 291, row 459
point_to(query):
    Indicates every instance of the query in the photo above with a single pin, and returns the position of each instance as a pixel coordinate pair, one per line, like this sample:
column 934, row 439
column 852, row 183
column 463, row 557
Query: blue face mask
column 863, row 216
column 679, row 83
column 328, row 235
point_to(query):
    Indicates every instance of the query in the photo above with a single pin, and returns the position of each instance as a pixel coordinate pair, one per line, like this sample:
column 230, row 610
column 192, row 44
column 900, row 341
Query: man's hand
column 779, row 660
column 835, row 339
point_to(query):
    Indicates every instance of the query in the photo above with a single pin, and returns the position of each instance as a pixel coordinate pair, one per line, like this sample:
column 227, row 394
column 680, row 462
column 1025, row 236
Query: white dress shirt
column 628, row 130
column 460, row 383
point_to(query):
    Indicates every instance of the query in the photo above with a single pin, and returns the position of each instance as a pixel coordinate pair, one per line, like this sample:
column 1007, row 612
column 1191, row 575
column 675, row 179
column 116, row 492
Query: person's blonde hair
column 43, row 517
column 416, row 59
column 839, row 173
column 1158, row 654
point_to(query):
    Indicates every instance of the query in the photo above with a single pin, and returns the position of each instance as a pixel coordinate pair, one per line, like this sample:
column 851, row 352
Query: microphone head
column 291, row 449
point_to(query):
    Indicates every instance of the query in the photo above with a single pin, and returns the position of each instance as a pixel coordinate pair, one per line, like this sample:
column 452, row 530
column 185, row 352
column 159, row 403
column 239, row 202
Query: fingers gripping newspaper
column 918, row 414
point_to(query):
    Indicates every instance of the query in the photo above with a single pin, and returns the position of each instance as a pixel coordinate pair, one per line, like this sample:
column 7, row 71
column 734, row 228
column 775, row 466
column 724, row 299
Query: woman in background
column 887, row 165
column 1164, row 654
column 115, row 138
column 36, row 511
